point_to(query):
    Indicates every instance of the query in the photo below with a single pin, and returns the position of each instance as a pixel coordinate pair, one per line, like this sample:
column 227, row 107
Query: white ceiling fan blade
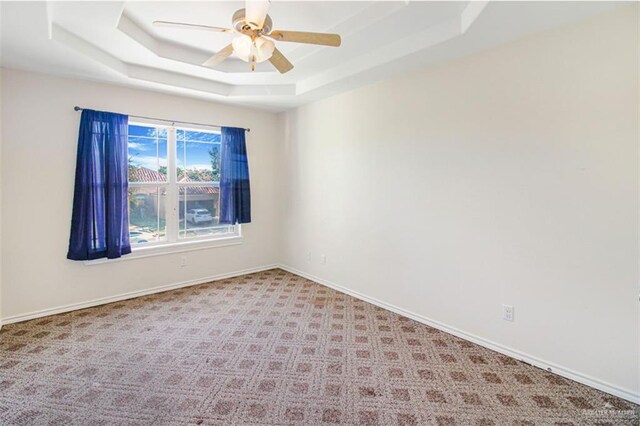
column 219, row 57
column 185, row 26
column 256, row 12
column 281, row 63
column 308, row 38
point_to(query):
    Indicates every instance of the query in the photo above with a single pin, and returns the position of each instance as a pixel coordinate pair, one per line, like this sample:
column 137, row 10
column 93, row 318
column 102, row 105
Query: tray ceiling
column 115, row 42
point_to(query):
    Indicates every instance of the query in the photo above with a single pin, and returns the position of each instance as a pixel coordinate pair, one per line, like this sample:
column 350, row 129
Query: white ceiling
column 115, row 42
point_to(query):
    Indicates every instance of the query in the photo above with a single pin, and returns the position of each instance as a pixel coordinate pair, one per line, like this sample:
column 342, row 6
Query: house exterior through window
column 174, row 185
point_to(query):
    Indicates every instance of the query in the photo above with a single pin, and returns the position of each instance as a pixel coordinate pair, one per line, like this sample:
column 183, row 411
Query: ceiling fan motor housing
column 254, row 41
column 241, row 24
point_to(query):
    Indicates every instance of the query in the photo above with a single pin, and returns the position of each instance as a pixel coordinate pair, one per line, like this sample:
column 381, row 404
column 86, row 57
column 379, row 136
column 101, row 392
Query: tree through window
column 174, row 185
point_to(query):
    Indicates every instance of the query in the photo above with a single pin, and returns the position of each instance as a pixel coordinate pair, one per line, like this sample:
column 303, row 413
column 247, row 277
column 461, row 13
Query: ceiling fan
column 255, row 40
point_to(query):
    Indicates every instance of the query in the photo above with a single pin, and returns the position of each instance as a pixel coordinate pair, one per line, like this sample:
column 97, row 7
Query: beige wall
column 507, row 177
column 39, row 140
column 1, row 208
column 510, row 176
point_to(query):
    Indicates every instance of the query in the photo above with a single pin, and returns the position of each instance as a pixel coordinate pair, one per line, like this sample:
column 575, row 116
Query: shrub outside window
column 174, row 185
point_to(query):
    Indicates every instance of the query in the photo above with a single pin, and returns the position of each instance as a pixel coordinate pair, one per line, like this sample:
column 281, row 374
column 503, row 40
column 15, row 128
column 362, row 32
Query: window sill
column 165, row 249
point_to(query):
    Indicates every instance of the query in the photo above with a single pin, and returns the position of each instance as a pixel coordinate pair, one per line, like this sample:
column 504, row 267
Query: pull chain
column 253, row 56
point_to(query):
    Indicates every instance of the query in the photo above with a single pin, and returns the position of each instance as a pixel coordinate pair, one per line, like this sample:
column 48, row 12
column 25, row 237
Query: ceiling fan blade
column 182, row 25
column 219, row 57
column 256, row 12
column 308, row 38
column 281, row 63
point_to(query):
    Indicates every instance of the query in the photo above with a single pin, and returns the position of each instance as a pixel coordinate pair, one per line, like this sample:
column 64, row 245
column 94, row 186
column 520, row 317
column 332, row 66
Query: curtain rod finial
column 76, row 108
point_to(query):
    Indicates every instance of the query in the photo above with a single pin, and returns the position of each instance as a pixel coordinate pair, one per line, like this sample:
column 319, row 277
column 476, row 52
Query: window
column 174, row 185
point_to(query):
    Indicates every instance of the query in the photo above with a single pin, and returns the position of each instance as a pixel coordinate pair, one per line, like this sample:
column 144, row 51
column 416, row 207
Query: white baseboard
column 529, row 359
column 130, row 295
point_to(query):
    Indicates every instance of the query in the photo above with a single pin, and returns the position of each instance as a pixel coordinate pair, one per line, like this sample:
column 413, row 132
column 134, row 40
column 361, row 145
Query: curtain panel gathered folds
column 100, row 220
column 235, row 194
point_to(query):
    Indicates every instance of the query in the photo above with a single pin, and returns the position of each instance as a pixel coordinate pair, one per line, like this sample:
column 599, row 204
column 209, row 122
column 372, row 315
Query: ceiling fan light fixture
column 263, row 49
column 260, row 49
column 242, row 47
column 255, row 40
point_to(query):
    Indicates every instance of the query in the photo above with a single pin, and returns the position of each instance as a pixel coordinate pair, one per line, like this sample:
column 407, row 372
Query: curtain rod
column 77, row 108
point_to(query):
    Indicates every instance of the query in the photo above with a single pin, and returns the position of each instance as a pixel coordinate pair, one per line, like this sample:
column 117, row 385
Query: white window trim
column 171, row 209
column 142, row 252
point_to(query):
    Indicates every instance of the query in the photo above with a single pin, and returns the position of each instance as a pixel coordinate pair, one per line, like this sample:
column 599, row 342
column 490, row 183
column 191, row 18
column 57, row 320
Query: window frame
column 173, row 243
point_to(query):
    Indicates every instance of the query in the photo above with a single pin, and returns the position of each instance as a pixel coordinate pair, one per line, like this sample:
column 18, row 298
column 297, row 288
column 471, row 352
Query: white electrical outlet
column 309, row 256
column 507, row 312
column 323, row 259
column 183, row 261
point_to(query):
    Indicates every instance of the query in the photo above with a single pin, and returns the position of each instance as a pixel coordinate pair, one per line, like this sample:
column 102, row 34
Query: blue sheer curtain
column 235, row 194
column 100, row 221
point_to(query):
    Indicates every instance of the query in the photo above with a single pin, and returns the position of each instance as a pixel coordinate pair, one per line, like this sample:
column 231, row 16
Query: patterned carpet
column 272, row 348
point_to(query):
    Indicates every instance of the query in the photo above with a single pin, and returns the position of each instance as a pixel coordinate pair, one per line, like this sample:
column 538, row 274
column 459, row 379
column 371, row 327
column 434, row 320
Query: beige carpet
column 272, row 348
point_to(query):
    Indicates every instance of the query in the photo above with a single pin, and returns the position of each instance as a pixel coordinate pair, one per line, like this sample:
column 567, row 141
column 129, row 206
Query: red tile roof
column 144, row 175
